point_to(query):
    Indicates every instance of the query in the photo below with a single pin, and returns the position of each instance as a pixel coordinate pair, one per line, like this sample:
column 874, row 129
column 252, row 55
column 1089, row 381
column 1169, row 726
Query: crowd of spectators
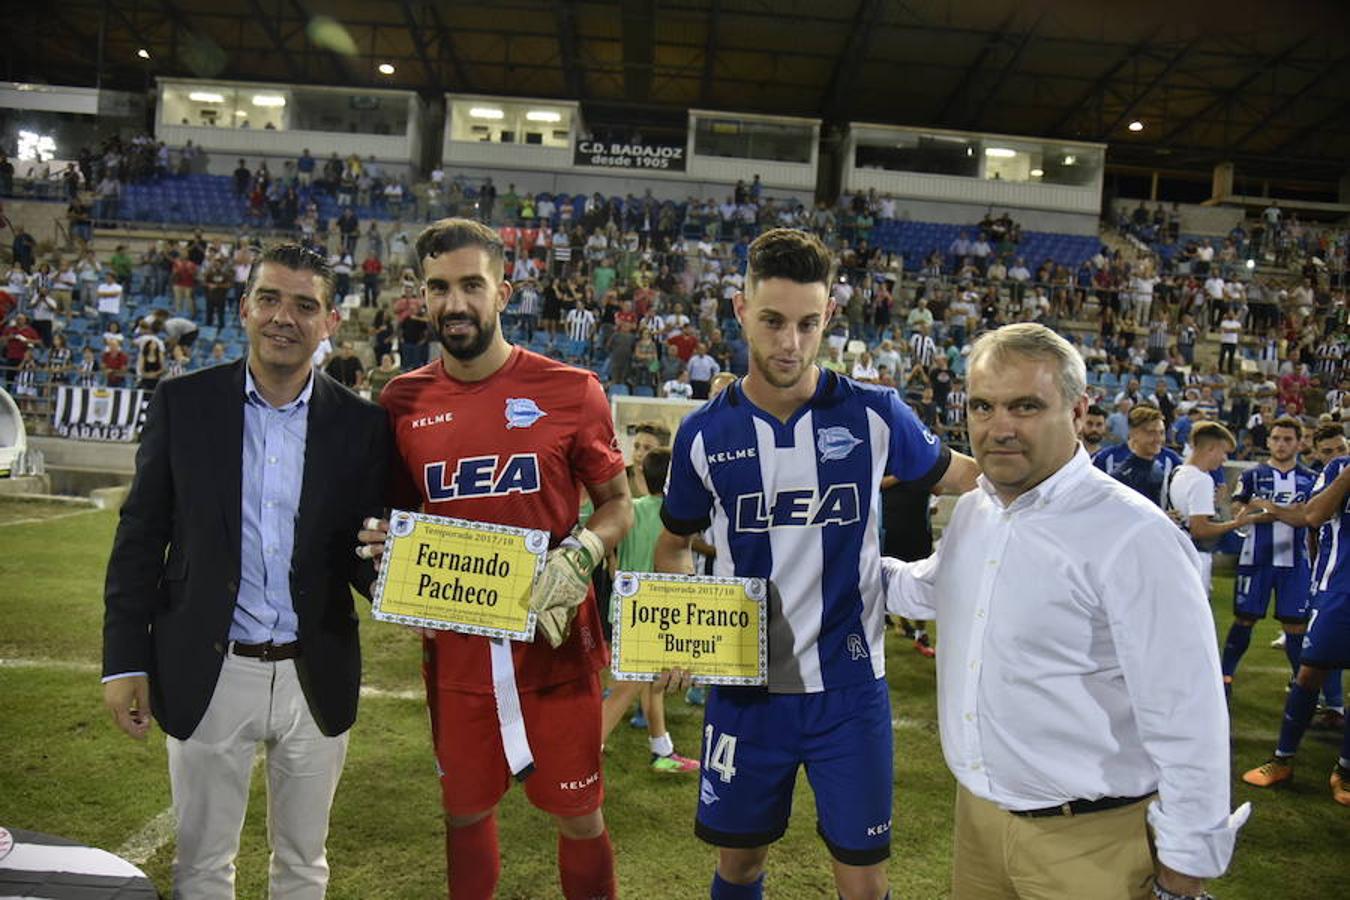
column 640, row 288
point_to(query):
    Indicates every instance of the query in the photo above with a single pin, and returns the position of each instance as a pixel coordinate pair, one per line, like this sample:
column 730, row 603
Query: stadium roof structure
column 1263, row 84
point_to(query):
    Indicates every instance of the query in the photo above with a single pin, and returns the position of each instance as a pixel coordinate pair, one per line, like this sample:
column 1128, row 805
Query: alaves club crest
column 522, row 412
column 835, row 442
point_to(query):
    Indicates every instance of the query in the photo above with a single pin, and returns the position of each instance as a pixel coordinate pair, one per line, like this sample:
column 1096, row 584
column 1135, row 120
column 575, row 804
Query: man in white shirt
column 1230, row 330
column 678, row 387
column 702, row 368
column 1191, row 493
column 109, row 294
column 1079, row 680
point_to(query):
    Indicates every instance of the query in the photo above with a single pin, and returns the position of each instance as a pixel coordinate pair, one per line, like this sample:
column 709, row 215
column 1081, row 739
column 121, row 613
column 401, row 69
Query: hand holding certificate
column 463, row 576
column 713, row 628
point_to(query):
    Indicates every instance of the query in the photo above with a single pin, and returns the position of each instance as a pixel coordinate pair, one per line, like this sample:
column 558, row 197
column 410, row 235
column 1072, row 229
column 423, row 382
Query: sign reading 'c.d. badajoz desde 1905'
column 629, row 155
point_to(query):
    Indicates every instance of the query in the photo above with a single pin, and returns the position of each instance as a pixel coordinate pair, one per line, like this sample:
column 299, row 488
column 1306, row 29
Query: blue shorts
column 1251, row 595
column 1326, row 644
column 753, row 742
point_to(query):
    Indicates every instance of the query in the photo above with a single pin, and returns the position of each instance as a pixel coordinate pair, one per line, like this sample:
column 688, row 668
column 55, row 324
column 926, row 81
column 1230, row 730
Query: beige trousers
column 255, row 702
column 998, row 856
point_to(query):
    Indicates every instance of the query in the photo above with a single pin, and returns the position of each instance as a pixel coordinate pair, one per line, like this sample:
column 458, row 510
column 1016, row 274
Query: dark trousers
column 215, row 308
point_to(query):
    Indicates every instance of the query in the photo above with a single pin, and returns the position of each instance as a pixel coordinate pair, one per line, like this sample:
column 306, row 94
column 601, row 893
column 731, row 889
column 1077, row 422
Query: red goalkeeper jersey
column 513, row 449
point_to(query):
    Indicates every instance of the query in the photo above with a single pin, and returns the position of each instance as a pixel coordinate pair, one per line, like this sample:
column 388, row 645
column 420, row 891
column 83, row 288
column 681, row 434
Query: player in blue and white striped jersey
column 1142, row 462
column 786, row 465
column 1326, row 645
column 1328, row 443
column 1274, row 554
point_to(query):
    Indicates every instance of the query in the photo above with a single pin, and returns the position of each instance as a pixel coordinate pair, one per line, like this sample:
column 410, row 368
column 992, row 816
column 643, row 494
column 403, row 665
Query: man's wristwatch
column 1162, row 893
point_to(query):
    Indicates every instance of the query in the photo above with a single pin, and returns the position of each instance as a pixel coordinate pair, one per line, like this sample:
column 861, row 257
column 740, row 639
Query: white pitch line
column 901, row 723
column 146, row 842
column 381, row 693
column 39, row 521
column 69, row 665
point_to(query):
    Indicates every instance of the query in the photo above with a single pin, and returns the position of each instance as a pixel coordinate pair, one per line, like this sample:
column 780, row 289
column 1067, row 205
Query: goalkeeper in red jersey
column 493, row 433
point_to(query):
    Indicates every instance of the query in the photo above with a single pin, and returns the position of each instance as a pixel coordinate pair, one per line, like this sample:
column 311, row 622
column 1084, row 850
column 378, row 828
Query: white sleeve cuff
column 906, row 595
column 1197, row 852
column 108, row 678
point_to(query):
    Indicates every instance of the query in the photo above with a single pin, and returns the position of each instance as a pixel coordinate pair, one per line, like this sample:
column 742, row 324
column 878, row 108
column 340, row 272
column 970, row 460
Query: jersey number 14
column 722, row 758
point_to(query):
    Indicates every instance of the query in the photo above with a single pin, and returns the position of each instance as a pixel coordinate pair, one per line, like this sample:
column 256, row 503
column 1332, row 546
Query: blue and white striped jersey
column 1332, row 569
column 1147, row 476
column 1275, row 543
column 793, row 503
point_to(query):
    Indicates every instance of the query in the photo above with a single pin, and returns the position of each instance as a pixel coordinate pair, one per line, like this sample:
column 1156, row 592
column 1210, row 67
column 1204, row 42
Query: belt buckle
column 267, row 649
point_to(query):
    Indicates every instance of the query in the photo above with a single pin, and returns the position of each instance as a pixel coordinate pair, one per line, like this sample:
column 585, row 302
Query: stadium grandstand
column 1165, row 185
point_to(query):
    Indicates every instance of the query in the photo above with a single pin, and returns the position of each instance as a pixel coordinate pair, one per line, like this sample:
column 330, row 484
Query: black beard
column 467, row 347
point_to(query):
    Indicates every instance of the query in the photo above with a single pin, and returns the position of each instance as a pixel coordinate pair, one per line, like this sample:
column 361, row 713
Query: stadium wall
column 581, row 181
column 38, row 217
column 970, row 213
column 224, row 146
column 1215, row 221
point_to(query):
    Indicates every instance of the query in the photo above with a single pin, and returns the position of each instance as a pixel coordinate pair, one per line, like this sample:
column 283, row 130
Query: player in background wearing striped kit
column 1275, row 552
column 1326, row 645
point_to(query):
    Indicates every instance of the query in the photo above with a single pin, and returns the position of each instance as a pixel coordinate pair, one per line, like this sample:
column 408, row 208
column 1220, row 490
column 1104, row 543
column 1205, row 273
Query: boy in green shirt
column 635, row 555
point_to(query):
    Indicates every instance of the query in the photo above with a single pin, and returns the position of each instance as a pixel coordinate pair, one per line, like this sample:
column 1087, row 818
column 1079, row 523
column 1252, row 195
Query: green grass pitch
column 67, row 770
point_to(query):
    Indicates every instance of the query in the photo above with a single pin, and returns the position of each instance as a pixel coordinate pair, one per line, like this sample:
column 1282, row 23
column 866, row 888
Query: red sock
column 586, row 868
column 473, row 859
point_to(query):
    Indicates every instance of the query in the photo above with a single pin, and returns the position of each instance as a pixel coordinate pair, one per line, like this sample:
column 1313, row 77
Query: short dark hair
column 301, row 259
column 1328, row 431
column 1095, row 410
column 786, row 253
column 657, row 430
column 1207, row 433
column 1288, row 422
column 655, row 466
column 449, row 235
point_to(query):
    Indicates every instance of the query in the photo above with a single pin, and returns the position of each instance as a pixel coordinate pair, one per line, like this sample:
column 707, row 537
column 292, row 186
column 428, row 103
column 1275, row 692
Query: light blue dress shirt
column 273, row 471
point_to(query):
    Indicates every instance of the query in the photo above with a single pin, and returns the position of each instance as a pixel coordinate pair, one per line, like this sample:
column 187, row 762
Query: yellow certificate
column 716, row 628
column 463, row 576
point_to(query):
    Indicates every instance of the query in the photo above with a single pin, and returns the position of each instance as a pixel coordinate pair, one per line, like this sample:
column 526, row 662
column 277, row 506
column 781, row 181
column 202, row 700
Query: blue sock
column 1333, row 692
column 1299, row 707
column 1239, row 639
column 1293, row 646
column 725, row 890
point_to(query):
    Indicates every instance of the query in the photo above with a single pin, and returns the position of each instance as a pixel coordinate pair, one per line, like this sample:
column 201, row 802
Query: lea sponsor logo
column 481, row 476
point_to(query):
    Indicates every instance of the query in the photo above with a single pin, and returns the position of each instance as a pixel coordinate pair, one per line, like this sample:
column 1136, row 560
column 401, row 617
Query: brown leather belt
column 267, row 652
column 1079, row 807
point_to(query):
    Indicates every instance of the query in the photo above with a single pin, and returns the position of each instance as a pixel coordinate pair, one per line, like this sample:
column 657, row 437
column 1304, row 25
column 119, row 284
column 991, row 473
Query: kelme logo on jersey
column 835, row 442
column 522, row 412
column 482, row 476
column 798, row 509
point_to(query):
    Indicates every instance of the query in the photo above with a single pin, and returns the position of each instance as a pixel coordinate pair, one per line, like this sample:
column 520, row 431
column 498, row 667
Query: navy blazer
column 174, row 572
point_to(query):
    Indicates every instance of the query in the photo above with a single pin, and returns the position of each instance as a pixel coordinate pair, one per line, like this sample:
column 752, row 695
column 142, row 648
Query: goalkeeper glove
column 563, row 584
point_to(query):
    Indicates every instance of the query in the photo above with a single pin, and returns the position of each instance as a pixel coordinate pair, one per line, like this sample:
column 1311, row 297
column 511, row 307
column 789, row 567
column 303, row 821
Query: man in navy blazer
column 228, row 607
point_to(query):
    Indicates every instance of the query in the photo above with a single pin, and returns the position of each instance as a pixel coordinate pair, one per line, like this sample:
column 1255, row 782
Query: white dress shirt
column 1078, row 658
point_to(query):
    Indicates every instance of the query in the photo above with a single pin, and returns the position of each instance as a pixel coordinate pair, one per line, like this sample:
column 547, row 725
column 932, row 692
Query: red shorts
column 562, row 725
